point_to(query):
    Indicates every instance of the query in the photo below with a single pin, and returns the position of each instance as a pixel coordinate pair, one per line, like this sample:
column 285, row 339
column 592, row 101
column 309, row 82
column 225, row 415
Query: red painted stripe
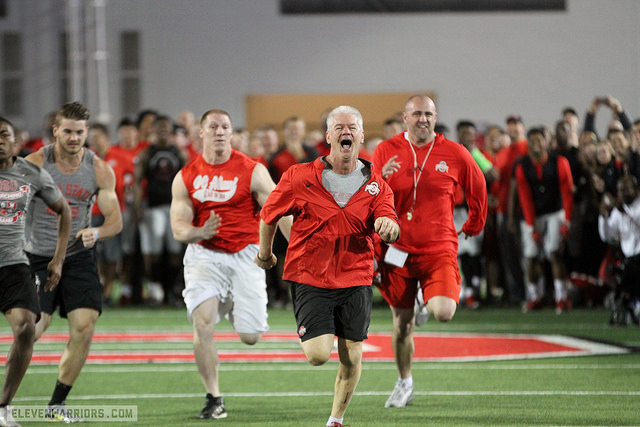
column 378, row 347
column 148, row 337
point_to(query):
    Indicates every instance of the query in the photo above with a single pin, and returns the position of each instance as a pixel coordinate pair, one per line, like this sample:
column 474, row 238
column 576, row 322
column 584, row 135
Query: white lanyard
column 417, row 177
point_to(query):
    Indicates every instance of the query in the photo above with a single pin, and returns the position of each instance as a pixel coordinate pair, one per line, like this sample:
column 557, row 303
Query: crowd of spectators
column 148, row 151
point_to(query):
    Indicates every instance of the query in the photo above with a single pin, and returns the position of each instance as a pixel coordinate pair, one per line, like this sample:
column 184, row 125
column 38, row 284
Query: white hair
column 344, row 109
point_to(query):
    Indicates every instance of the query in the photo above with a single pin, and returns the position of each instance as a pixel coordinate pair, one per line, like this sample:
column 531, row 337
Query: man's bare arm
column 109, row 207
column 182, row 216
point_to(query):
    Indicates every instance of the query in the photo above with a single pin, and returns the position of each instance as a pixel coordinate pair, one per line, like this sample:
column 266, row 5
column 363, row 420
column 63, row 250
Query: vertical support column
column 75, row 49
column 100, row 56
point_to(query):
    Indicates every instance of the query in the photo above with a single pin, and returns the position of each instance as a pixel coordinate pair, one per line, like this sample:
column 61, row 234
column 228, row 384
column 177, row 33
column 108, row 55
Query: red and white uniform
column 330, row 247
column 223, row 267
column 226, row 189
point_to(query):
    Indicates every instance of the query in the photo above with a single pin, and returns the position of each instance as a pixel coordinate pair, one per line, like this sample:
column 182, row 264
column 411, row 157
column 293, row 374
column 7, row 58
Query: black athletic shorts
column 345, row 313
column 18, row 288
column 79, row 285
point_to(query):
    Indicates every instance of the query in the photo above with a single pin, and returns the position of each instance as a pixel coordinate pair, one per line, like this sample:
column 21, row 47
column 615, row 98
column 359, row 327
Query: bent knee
column 25, row 331
column 317, row 359
column 442, row 308
column 250, row 339
column 444, row 315
column 317, row 356
column 203, row 327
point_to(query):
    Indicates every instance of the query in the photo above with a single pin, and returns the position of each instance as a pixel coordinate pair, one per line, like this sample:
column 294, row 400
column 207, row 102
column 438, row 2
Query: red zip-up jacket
column 330, row 247
column 449, row 165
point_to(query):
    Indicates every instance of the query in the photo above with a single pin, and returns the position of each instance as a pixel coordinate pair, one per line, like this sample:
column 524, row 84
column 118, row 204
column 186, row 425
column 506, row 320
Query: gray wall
column 199, row 54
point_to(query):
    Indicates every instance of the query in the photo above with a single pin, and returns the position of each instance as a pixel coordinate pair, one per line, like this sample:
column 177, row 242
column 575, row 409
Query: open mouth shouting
column 346, row 145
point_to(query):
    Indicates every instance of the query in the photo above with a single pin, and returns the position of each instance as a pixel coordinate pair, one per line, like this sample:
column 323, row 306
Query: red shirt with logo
column 447, row 167
column 330, row 247
column 225, row 189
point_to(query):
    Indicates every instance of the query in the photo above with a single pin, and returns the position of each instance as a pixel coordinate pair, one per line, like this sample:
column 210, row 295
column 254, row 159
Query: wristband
column 95, row 234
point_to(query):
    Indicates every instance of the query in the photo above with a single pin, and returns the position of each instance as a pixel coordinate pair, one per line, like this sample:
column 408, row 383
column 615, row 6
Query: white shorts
column 548, row 226
column 471, row 245
column 239, row 284
column 155, row 232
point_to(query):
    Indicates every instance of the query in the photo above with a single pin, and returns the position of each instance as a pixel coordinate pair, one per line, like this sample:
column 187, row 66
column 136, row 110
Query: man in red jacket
column 338, row 203
column 423, row 169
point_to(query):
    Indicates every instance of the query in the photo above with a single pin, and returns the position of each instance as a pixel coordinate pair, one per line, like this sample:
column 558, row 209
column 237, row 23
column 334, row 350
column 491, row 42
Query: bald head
column 420, row 117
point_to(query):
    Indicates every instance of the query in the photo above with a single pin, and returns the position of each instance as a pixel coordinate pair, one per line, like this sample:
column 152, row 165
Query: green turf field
column 569, row 391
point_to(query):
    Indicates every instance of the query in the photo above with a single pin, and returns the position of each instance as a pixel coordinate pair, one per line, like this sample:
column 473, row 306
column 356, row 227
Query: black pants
column 630, row 283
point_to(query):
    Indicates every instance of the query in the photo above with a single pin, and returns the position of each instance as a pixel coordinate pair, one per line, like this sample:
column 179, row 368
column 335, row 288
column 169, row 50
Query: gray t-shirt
column 18, row 186
column 79, row 189
column 343, row 187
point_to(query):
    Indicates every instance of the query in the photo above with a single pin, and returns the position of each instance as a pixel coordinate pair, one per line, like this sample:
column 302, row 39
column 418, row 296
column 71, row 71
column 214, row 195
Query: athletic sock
column 125, row 290
column 60, row 393
column 407, row 382
column 532, row 290
column 467, row 292
column 561, row 289
column 334, row 419
column 476, row 281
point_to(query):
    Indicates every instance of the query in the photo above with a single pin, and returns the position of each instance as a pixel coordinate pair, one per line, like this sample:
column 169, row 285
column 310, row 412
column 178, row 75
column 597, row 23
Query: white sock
column 476, row 282
column 407, row 382
column 561, row 289
column 334, row 419
column 532, row 290
column 468, row 292
column 125, row 290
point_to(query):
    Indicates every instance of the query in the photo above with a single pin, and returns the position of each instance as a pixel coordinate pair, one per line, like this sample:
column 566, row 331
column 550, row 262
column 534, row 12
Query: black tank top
column 163, row 165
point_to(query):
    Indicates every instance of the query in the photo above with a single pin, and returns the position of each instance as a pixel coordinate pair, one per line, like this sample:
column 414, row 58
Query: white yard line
column 329, row 393
column 330, row 366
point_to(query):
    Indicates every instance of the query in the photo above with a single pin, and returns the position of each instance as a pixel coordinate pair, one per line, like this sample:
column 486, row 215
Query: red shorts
column 438, row 275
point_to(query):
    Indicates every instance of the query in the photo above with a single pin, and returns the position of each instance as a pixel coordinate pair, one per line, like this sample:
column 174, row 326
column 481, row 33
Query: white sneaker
column 6, row 420
column 400, row 397
column 421, row 315
column 59, row 413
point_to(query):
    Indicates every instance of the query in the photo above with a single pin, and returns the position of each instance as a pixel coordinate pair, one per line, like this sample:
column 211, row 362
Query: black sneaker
column 214, row 408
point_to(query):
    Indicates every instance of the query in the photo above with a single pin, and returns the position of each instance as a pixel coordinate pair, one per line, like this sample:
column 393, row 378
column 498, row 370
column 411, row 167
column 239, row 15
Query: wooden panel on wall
column 273, row 109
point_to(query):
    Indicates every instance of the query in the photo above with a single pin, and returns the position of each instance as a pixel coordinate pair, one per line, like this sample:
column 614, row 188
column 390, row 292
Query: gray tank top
column 18, row 187
column 79, row 189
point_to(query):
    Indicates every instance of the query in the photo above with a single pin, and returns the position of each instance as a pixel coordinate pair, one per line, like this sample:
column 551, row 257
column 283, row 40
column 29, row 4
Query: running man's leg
column 22, row 323
column 349, row 371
